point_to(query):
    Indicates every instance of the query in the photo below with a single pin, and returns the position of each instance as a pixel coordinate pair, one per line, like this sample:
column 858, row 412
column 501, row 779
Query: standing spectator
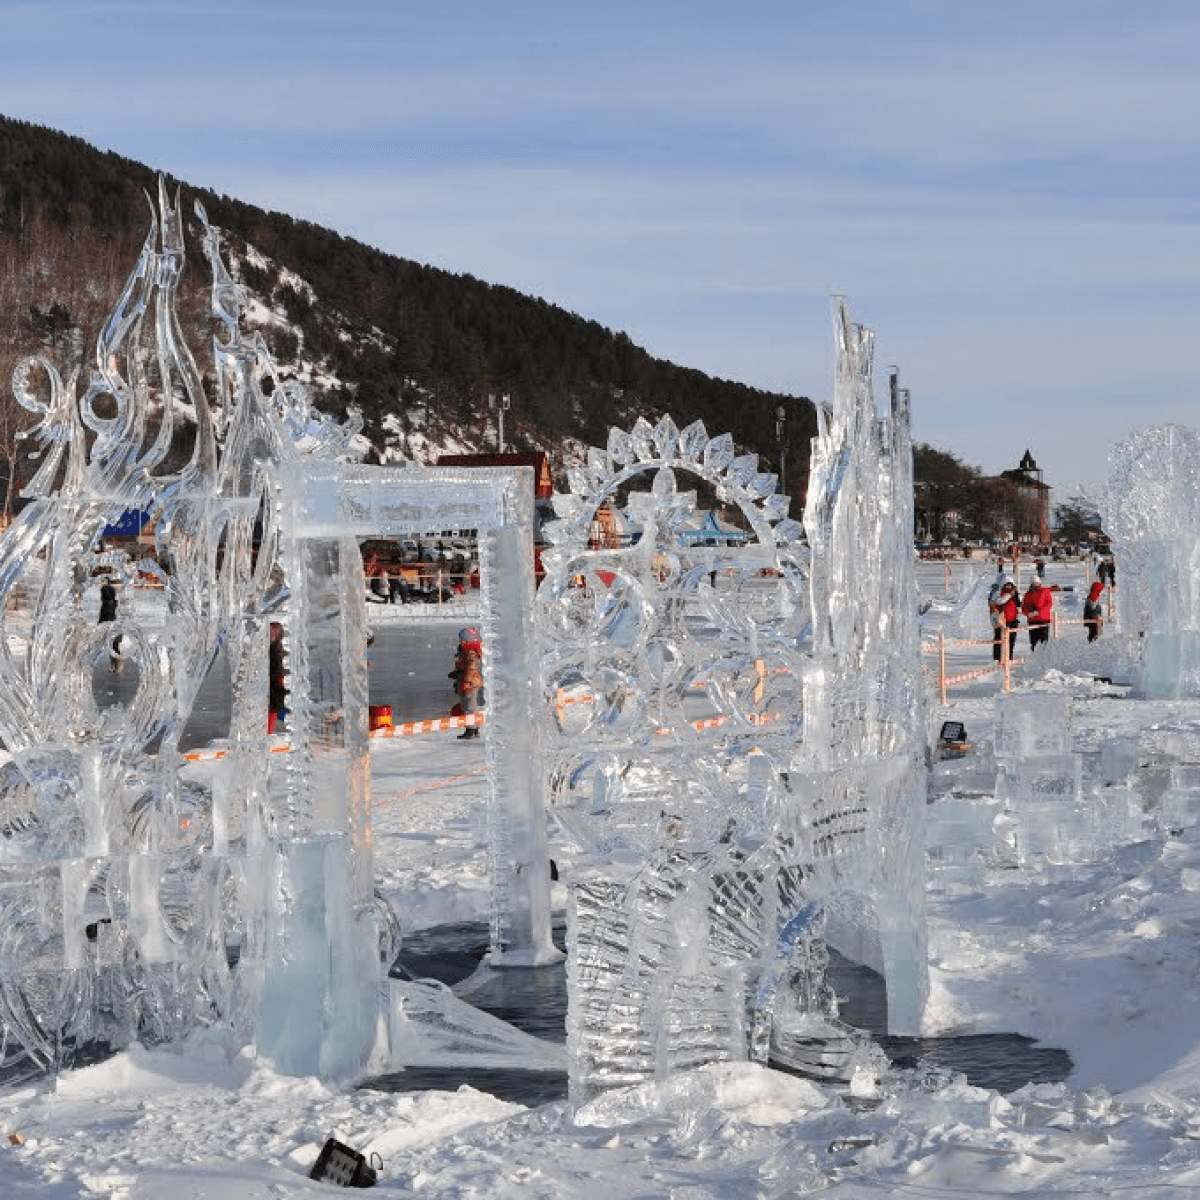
column 1038, row 607
column 1007, row 616
column 397, row 587
column 997, row 583
column 108, row 612
column 377, row 582
column 1039, row 567
column 277, row 691
column 1093, row 611
column 468, row 676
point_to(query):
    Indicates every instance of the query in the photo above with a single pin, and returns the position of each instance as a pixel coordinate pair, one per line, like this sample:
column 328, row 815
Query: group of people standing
column 1037, row 606
column 1006, row 607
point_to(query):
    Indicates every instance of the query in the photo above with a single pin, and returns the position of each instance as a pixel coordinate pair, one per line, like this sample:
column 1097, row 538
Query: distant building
column 712, row 533
column 543, row 481
column 607, row 530
column 1031, row 513
column 543, row 488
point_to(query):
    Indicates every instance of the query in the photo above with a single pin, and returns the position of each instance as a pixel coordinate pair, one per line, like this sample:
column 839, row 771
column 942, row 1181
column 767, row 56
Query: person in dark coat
column 277, row 692
column 1093, row 611
column 108, row 612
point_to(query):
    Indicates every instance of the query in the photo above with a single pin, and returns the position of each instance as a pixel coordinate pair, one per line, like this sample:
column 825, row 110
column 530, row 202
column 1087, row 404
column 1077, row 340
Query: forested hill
column 417, row 349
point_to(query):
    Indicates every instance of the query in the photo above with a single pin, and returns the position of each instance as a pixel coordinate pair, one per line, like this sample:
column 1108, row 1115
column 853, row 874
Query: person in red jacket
column 1038, row 607
column 1093, row 611
column 468, row 676
column 1008, row 616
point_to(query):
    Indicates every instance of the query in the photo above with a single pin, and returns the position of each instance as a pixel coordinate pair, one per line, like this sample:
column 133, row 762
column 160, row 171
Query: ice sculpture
column 735, row 739
column 864, row 698
column 1152, row 516
column 131, row 882
column 671, row 671
column 144, row 896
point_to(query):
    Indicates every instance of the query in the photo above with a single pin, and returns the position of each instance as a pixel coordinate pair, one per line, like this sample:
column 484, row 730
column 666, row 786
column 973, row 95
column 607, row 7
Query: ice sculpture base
column 426, row 1025
column 826, row 1049
column 319, row 1007
column 546, row 956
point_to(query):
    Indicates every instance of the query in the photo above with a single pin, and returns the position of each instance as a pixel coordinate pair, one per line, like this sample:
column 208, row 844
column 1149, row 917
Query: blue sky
column 1009, row 194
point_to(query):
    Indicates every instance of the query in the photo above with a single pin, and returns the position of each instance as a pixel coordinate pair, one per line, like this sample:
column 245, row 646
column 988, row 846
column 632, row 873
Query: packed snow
column 1097, row 958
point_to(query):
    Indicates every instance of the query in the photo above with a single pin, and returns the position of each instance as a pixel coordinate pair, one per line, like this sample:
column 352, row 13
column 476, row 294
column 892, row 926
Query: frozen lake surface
column 536, row 1002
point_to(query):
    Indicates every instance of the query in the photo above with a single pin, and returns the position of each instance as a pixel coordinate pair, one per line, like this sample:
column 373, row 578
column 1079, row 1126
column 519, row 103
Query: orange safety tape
column 1012, row 662
column 214, row 752
column 588, row 698
column 933, row 647
column 427, row 787
column 436, row 725
column 716, row 722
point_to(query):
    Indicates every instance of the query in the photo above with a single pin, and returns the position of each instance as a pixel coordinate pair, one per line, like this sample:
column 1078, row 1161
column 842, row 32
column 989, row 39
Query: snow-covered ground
column 1100, row 959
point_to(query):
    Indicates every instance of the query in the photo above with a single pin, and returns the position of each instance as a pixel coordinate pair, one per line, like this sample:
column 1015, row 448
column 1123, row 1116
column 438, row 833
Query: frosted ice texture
column 1181, row 800
column 144, row 896
column 734, row 704
column 1152, row 516
column 1118, row 759
column 1031, row 725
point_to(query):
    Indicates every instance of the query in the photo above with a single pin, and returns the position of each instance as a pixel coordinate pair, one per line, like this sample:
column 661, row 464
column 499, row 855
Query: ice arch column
column 328, row 506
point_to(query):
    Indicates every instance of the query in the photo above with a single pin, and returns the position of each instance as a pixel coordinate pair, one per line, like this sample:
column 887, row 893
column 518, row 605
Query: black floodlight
column 347, row 1168
column 952, row 732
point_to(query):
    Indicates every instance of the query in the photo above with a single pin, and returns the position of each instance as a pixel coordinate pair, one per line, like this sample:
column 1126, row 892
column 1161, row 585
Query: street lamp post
column 781, row 438
column 500, row 405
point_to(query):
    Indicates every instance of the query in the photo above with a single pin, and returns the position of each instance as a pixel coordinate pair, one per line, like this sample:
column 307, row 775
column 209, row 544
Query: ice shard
column 862, row 756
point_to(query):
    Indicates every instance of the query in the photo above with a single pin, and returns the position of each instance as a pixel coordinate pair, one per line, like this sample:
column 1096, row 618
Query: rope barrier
column 588, row 698
column 935, row 647
column 427, row 787
column 436, row 725
column 716, row 722
column 442, row 724
column 968, row 675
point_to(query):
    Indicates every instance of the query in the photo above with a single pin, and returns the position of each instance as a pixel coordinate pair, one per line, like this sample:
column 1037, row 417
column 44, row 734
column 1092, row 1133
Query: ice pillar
column 320, row 996
column 520, row 863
